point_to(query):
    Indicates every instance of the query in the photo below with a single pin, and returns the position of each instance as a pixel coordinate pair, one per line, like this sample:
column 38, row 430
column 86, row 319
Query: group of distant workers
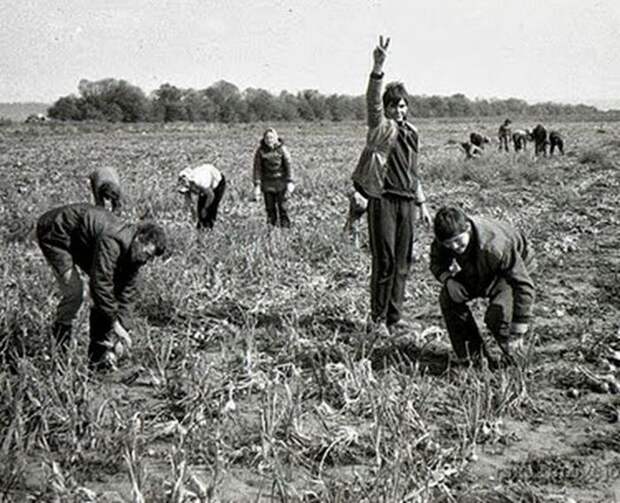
column 543, row 142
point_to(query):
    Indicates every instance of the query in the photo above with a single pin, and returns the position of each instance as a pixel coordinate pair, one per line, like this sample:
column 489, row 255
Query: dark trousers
column 208, row 215
column 503, row 143
column 462, row 328
column 540, row 147
column 390, row 229
column 559, row 144
column 276, row 206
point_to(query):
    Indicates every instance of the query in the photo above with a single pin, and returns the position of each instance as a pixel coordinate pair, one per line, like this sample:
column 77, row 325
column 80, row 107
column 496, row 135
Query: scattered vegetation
column 245, row 382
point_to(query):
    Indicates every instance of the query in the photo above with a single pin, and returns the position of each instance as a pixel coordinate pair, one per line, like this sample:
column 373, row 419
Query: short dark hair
column 109, row 191
column 150, row 232
column 394, row 92
column 450, row 221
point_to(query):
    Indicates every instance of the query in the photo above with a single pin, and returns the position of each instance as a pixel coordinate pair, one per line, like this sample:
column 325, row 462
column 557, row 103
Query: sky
column 538, row 50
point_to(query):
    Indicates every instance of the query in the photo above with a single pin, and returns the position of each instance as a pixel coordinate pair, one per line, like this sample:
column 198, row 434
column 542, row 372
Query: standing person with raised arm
column 387, row 175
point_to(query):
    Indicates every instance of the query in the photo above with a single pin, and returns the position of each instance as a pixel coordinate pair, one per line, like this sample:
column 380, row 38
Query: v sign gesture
column 380, row 53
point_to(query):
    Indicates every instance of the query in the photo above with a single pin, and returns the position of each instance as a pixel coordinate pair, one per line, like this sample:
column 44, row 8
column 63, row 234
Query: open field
column 243, row 384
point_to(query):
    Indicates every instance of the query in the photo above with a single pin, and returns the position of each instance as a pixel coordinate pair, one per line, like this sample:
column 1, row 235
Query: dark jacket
column 100, row 244
column 105, row 175
column 496, row 250
column 370, row 172
column 272, row 167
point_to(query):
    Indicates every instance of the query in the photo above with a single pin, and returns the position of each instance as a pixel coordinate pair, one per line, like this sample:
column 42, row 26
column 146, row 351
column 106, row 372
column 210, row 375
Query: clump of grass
column 597, row 158
column 577, row 471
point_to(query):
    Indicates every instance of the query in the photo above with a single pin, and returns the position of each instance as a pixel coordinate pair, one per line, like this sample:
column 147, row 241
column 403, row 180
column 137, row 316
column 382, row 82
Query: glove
column 257, row 192
column 457, row 291
column 290, row 188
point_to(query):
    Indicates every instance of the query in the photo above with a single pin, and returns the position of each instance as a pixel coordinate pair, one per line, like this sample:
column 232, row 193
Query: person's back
column 110, row 252
column 199, row 178
column 539, row 134
column 478, row 139
column 78, row 227
column 106, row 187
column 556, row 141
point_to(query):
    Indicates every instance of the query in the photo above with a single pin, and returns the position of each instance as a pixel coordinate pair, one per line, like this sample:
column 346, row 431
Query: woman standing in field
column 272, row 177
column 387, row 175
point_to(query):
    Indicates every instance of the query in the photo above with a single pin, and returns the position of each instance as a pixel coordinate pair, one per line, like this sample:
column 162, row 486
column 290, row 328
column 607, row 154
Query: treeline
column 119, row 101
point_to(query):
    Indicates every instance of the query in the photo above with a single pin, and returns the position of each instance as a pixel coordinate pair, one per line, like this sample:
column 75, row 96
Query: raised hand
column 380, row 52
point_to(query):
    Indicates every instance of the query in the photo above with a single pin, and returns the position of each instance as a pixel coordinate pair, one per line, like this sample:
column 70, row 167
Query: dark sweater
column 100, row 244
column 401, row 177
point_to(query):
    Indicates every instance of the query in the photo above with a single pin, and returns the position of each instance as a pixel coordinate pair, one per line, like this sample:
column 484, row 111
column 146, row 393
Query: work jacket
column 369, row 174
column 496, row 250
column 100, row 244
column 272, row 167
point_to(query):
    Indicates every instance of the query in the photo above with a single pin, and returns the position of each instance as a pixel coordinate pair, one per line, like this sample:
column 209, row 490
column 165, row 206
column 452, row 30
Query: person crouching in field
column 519, row 139
column 482, row 257
column 387, row 175
column 471, row 150
column 208, row 184
column 556, row 141
column 111, row 253
column 272, row 177
column 106, row 187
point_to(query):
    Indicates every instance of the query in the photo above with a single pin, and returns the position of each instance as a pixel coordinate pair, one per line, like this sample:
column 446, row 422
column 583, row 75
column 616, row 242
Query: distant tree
column 289, row 106
column 261, row 105
column 227, row 98
column 198, row 106
column 167, row 104
column 114, row 100
column 117, row 100
column 66, row 108
column 339, row 107
column 312, row 100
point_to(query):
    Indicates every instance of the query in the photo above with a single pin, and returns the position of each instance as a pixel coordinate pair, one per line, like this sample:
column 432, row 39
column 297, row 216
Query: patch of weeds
column 615, row 143
column 576, row 471
column 519, row 492
column 597, row 158
column 607, row 441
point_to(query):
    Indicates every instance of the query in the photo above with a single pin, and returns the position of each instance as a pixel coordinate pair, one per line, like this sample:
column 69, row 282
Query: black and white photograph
column 340, row 251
